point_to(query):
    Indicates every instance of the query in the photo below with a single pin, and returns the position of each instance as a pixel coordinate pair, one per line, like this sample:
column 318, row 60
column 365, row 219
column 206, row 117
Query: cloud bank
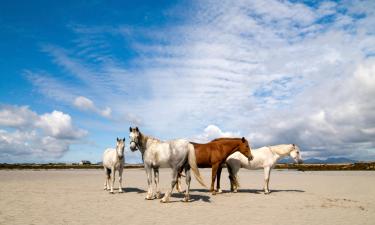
column 23, row 132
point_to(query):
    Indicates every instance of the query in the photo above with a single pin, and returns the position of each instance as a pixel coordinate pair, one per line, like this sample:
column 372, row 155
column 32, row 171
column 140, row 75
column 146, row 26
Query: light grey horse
column 264, row 157
column 176, row 154
column 113, row 159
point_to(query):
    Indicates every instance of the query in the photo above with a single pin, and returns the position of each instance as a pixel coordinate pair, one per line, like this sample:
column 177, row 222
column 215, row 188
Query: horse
column 264, row 157
column 113, row 159
column 176, row 154
column 213, row 154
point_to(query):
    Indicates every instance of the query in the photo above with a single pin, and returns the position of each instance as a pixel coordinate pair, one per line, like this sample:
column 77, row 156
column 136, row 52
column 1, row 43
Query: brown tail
column 193, row 165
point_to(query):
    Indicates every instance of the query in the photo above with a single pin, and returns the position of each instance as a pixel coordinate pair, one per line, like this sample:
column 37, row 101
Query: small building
column 84, row 162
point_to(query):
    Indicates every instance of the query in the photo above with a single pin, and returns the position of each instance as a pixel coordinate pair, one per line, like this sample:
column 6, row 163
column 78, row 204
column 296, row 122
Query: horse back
column 207, row 154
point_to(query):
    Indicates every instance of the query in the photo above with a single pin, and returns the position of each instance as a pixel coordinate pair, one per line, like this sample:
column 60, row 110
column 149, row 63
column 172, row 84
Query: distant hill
column 330, row 160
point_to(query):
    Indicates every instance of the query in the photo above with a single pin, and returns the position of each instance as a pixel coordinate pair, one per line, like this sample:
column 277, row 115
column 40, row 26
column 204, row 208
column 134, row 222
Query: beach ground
column 77, row 197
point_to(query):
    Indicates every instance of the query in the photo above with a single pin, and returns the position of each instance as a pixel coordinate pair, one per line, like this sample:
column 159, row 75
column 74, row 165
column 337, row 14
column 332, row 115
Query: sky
column 74, row 75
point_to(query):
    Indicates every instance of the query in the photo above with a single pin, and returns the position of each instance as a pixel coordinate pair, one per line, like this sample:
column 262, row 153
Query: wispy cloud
column 280, row 72
column 86, row 104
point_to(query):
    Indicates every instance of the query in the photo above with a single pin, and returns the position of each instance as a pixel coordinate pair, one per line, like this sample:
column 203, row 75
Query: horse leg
column 173, row 183
column 120, row 178
column 213, row 177
column 267, row 173
column 233, row 169
column 156, row 180
column 229, row 168
column 178, row 185
column 106, row 179
column 188, row 180
column 113, row 179
column 149, row 183
column 218, row 189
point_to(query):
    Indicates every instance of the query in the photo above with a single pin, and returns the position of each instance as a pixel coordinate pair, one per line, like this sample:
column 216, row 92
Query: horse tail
column 193, row 165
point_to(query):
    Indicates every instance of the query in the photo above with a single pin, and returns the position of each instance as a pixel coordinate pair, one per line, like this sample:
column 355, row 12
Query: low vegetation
column 300, row 167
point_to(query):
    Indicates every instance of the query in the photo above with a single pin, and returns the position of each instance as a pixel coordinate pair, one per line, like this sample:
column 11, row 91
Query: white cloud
column 43, row 136
column 86, row 104
column 16, row 117
column 211, row 132
column 59, row 125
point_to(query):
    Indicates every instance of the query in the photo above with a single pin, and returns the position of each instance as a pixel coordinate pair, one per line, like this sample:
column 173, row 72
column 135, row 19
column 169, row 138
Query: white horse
column 176, row 154
column 264, row 157
column 113, row 159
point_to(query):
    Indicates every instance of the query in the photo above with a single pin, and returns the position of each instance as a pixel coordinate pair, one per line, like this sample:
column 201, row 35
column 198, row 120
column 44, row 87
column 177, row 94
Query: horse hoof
column 158, row 196
column 219, row 191
column 164, row 200
column 120, row 191
column 267, row 192
column 213, row 193
column 111, row 192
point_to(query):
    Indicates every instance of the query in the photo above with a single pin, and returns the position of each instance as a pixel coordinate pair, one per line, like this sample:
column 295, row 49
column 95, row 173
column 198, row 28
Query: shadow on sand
column 133, row 189
column 253, row 191
column 260, row 191
column 193, row 197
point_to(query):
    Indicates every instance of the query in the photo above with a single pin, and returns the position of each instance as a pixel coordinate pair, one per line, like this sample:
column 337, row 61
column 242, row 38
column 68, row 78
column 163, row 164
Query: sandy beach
column 76, row 197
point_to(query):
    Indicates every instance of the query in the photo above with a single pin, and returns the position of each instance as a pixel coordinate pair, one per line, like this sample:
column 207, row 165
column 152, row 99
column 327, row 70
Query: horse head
column 120, row 146
column 134, row 138
column 295, row 154
column 245, row 149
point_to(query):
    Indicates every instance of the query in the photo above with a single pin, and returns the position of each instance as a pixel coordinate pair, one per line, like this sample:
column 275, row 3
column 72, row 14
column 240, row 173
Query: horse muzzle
column 133, row 149
column 250, row 158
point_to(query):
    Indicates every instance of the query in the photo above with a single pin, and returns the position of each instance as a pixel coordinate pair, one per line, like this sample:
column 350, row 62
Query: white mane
column 282, row 150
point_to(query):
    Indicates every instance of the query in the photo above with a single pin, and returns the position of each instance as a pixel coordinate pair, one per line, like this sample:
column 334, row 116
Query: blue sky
column 74, row 76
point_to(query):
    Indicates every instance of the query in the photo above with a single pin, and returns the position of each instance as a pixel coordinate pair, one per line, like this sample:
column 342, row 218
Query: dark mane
column 225, row 138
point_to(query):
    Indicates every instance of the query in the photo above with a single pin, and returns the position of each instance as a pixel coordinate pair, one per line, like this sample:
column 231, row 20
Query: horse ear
column 130, row 129
column 294, row 145
column 243, row 139
column 136, row 129
column 123, row 139
column 117, row 139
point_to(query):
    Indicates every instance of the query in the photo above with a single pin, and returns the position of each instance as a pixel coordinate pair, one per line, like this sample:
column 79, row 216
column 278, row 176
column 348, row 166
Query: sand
column 76, row 197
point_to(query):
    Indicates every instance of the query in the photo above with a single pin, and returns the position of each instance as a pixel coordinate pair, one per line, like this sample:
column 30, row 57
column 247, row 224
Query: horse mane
column 226, row 138
column 153, row 138
column 216, row 139
column 274, row 148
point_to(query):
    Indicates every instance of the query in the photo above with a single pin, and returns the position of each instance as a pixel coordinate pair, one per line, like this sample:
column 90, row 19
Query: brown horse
column 214, row 153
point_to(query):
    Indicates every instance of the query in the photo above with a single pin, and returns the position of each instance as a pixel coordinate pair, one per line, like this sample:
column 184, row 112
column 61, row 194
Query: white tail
column 193, row 165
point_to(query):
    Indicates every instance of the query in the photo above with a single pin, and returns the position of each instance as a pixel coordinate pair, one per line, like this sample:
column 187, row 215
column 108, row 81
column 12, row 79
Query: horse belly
column 161, row 159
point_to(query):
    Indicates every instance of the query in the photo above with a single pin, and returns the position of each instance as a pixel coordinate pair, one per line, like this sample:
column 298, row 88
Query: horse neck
column 280, row 151
column 116, row 154
column 146, row 141
column 143, row 143
column 231, row 147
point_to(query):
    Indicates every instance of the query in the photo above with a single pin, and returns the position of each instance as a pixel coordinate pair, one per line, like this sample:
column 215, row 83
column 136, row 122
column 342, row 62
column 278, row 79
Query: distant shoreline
column 300, row 167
